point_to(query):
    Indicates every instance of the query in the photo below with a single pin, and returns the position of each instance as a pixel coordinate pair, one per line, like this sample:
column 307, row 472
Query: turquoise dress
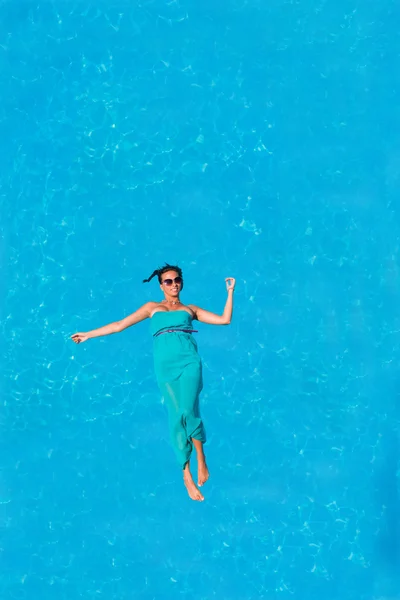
column 179, row 376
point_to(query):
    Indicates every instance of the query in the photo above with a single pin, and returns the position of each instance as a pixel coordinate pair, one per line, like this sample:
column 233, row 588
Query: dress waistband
column 175, row 330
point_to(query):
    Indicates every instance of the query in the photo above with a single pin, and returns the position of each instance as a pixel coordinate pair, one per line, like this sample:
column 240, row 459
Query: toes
column 193, row 492
column 201, row 480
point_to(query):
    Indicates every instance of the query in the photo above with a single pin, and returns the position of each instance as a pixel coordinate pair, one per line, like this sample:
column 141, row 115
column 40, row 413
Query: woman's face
column 171, row 283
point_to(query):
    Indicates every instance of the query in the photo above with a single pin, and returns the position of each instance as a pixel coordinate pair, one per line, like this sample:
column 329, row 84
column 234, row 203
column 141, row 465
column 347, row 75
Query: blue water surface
column 247, row 138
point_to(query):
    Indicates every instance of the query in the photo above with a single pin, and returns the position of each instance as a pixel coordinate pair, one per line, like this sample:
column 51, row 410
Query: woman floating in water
column 177, row 364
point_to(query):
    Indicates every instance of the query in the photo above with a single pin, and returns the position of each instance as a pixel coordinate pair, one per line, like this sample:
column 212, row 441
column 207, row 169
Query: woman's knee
column 179, row 438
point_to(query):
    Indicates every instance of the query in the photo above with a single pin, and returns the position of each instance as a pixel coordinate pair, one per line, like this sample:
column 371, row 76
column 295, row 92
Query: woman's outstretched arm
column 139, row 315
column 204, row 316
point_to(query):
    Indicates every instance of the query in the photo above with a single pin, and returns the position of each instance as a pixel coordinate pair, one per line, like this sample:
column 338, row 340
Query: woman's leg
column 190, row 392
column 184, row 422
column 190, row 485
column 202, row 469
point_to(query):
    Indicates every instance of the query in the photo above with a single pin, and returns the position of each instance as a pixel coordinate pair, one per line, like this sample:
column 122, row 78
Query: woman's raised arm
column 204, row 316
column 139, row 315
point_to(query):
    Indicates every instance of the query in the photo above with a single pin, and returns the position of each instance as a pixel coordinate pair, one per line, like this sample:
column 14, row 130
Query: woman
column 177, row 364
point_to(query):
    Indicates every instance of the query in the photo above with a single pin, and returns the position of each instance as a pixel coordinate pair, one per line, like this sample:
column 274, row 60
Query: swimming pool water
column 243, row 138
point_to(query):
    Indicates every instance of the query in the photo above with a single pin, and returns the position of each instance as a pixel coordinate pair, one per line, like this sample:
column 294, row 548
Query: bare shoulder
column 150, row 306
column 144, row 311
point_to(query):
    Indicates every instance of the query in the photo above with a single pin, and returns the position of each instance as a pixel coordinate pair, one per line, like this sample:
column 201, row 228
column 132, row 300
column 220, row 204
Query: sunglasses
column 169, row 282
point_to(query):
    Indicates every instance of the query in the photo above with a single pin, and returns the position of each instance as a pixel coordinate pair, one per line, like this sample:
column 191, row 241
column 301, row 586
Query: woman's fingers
column 78, row 337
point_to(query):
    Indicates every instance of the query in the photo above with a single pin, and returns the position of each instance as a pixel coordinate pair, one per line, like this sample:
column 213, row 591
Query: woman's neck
column 172, row 301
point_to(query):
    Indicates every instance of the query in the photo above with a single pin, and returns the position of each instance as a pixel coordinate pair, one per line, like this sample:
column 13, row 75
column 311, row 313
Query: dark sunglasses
column 171, row 281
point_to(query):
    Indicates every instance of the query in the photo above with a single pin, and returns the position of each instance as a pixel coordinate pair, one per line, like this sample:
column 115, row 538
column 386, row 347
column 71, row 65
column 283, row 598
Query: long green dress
column 179, row 376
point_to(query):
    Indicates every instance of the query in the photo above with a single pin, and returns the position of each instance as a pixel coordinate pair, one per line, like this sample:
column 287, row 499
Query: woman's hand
column 78, row 338
column 230, row 283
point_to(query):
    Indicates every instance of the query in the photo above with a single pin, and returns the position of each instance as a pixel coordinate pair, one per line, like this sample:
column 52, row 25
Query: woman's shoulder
column 149, row 306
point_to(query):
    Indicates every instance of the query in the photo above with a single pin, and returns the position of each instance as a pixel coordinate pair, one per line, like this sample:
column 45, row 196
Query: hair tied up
column 162, row 270
column 151, row 276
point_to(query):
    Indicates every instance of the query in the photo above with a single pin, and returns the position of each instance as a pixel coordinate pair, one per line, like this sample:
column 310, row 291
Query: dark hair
column 159, row 272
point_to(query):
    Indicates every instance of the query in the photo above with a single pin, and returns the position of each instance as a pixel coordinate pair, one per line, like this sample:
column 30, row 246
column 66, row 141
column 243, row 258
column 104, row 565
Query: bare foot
column 202, row 471
column 193, row 492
